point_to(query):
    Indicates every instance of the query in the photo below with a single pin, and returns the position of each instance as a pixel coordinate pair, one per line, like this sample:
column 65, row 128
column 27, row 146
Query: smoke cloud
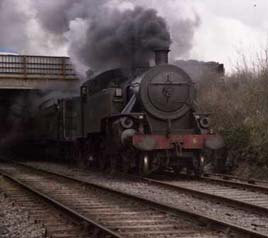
column 13, row 25
column 112, row 41
column 56, row 16
column 183, row 22
column 103, row 34
column 97, row 34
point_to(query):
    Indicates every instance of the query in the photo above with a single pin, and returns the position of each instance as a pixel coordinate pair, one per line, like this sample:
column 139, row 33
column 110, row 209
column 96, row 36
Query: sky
column 221, row 31
column 230, row 30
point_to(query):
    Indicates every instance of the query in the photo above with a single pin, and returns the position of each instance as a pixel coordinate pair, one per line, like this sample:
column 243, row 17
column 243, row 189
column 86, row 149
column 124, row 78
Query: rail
column 209, row 221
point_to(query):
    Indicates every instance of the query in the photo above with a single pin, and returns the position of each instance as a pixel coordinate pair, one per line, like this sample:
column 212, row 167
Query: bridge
column 36, row 72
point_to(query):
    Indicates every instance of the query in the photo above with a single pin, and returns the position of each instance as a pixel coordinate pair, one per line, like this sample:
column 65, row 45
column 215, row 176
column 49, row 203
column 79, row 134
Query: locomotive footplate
column 161, row 142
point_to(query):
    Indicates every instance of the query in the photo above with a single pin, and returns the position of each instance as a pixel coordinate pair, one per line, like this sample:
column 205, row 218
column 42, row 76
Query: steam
column 199, row 70
column 56, row 16
column 182, row 20
column 13, row 24
column 101, row 36
column 97, row 34
column 119, row 36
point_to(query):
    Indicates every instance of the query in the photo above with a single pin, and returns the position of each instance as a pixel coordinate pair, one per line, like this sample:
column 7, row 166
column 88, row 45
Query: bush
column 239, row 110
column 237, row 137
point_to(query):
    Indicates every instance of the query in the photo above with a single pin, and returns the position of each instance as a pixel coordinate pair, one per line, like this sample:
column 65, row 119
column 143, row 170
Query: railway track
column 40, row 210
column 230, row 178
column 232, row 228
column 245, row 195
column 114, row 213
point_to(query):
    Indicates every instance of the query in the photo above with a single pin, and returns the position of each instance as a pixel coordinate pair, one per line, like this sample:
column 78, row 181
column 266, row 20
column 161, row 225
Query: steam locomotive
column 144, row 121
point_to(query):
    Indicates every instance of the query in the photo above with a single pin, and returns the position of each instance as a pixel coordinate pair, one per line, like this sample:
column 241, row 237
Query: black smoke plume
column 97, row 34
column 120, row 37
column 111, row 35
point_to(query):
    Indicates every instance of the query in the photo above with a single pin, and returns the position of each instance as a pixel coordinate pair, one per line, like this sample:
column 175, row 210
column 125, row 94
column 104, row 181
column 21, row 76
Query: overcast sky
column 228, row 29
column 222, row 31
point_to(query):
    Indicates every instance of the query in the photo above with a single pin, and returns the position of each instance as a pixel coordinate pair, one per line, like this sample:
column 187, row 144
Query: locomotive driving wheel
column 144, row 168
column 75, row 153
column 177, row 169
column 198, row 165
column 125, row 164
column 102, row 163
column 101, row 156
column 113, row 165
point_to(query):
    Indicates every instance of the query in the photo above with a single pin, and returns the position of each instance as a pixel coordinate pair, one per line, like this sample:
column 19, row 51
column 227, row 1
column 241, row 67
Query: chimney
column 161, row 56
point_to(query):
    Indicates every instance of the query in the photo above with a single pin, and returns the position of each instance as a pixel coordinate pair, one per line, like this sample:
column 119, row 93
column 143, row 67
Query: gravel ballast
column 15, row 222
column 224, row 212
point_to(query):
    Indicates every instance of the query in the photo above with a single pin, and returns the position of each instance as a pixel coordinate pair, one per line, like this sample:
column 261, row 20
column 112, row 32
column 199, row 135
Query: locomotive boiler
column 144, row 121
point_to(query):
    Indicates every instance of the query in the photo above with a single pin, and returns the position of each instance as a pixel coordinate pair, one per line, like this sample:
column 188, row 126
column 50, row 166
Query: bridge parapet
column 36, row 72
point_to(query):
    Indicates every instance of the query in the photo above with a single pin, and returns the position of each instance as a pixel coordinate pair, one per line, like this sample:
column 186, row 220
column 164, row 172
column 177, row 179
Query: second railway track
column 240, row 194
column 232, row 178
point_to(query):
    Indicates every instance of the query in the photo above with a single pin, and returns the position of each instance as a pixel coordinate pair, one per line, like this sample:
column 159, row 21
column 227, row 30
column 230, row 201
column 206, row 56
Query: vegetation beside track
column 239, row 106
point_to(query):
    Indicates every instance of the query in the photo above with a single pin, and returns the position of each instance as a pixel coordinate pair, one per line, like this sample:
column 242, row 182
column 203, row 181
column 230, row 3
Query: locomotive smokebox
column 161, row 56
